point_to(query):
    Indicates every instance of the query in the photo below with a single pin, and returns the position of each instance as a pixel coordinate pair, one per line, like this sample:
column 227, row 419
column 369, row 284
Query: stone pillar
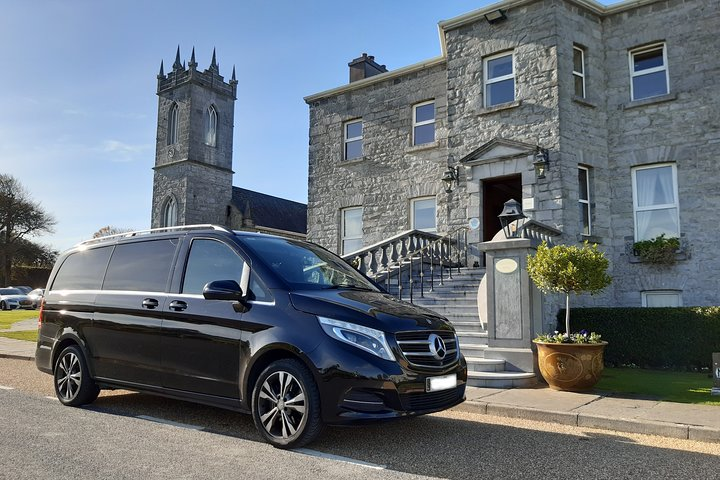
column 513, row 309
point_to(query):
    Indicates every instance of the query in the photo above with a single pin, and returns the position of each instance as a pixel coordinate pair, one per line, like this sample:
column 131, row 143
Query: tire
column 73, row 385
column 3, row 306
column 286, row 405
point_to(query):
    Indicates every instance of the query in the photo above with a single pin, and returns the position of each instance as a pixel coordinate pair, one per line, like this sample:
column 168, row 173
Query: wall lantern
column 496, row 16
column 541, row 163
column 450, row 176
column 512, row 210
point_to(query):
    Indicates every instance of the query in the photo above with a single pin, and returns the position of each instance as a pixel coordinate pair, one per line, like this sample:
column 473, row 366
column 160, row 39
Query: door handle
column 177, row 305
column 150, row 303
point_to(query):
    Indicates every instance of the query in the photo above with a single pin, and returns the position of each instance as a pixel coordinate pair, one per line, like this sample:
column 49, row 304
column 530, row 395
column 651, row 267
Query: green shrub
column 659, row 250
column 683, row 337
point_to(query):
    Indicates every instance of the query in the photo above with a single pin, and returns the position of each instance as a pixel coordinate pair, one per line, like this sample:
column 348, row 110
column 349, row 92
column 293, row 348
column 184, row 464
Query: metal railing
column 413, row 255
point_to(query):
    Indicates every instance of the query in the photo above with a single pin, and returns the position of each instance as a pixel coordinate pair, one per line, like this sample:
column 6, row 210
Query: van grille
column 420, row 348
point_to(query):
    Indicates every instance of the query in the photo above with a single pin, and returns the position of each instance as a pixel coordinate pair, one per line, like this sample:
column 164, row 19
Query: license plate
column 434, row 384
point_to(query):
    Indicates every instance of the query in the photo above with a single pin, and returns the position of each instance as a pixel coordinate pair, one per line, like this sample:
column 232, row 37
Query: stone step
column 473, row 350
column 452, row 308
column 502, row 379
column 467, row 327
column 472, row 338
column 480, row 364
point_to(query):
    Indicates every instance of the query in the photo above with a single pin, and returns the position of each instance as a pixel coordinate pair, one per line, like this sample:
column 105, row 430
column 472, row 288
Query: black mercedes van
column 279, row 328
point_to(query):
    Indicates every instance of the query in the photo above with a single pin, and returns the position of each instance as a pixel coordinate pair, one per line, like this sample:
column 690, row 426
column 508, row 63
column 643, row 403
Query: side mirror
column 223, row 290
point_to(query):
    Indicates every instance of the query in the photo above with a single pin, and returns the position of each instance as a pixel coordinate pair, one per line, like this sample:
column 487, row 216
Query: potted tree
column 569, row 361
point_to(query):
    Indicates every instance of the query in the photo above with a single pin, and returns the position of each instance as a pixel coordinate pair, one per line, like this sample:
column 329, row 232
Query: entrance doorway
column 497, row 191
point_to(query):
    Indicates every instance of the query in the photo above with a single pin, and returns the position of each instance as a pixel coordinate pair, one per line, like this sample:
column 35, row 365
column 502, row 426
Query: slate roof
column 271, row 212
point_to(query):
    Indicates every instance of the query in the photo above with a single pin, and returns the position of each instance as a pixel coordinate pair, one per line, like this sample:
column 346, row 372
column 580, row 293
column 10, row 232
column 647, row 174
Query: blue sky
column 79, row 110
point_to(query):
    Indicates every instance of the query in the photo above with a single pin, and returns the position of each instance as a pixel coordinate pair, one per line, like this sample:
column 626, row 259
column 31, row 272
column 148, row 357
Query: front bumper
column 359, row 387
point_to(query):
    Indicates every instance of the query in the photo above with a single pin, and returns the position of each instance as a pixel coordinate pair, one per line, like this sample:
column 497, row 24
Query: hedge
column 683, row 337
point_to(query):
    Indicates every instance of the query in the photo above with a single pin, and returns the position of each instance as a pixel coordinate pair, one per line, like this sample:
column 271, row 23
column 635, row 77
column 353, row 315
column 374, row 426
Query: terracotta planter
column 571, row 366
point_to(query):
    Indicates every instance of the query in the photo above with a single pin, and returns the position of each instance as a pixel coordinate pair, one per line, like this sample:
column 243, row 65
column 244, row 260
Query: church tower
column 193, row 157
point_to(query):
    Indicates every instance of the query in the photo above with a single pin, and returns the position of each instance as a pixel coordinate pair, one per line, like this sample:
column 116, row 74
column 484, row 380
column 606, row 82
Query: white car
column 36, row 296
column 12, row 298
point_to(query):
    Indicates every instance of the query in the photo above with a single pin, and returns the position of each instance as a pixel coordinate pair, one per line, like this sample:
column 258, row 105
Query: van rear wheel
column 286, row 405
column 73, row 385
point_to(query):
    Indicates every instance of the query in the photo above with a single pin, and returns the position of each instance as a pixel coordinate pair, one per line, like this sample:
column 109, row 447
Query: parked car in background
column 23, row 288
column 12, row 298
column 37, row 296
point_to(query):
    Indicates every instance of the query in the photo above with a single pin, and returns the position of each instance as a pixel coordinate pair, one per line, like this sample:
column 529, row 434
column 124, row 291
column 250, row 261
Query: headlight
column 364, row 338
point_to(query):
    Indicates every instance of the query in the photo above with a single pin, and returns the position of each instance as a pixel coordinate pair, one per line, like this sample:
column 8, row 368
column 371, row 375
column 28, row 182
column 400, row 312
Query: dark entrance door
column 497, row 191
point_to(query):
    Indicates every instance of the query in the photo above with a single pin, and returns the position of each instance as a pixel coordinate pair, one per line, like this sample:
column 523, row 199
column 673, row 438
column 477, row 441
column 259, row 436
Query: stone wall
column 683, row 127
column 391, row 170
column 604, row 131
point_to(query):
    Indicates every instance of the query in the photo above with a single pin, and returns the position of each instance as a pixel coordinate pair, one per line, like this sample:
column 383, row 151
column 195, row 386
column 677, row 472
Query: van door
column 201, row 339
column 126, row 327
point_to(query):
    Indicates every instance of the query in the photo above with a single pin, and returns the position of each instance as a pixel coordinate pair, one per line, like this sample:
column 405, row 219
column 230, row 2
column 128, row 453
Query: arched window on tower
column 211, row 126
column 170, row 217
column 172, row 135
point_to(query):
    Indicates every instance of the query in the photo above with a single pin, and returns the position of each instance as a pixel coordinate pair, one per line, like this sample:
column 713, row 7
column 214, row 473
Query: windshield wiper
column 348, row 286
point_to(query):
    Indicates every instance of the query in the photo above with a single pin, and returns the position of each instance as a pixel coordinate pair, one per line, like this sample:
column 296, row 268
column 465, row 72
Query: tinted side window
column 141, row 266
column 210, row 260
column 83, row 270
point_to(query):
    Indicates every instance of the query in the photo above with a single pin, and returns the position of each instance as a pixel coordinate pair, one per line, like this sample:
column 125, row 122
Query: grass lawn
column 683, row 387
column 9, row 317
column 28, row 335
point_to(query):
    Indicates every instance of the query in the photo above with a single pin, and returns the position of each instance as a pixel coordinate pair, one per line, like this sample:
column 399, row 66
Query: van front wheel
column 286, row 404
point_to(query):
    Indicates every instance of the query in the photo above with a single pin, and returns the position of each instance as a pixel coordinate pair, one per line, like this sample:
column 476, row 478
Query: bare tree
column 20, row 217
column 110, row 230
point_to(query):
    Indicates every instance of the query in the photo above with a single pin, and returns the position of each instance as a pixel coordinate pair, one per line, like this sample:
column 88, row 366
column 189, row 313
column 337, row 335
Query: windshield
column 306, row 266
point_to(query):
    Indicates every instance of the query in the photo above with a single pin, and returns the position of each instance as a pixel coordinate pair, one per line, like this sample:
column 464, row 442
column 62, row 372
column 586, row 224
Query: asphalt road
column 122, row 435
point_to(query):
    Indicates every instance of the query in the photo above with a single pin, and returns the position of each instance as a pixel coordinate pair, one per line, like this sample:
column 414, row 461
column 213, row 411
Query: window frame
column 664, row 206
column 173, row 124
column 343, row 237
column 211, row 124
column 576, row 73
column 413, row 202
column 347, row 140
column 586, row 203
column 169, row 206
column 489, row 81
column 644, row 295
column 416, row 124
column 633, row 73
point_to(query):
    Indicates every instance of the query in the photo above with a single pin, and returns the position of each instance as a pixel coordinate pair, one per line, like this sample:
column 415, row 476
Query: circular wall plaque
column 506, row 265
column 474, row 223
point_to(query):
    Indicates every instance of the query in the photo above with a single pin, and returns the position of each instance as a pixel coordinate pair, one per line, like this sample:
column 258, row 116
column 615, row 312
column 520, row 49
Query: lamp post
column 512, row 210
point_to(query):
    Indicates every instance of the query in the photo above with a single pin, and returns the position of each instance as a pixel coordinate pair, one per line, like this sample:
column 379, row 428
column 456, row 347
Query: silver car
column 36, row 296
column 12, row 298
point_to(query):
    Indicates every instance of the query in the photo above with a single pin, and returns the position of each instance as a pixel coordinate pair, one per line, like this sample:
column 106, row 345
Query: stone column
column 513, row 310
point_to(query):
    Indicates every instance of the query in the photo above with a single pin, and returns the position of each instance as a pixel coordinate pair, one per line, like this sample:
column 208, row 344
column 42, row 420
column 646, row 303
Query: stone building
column 603, row 121
column 193, row 158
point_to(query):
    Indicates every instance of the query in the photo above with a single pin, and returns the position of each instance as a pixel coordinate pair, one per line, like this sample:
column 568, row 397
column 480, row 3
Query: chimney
column 364, row 67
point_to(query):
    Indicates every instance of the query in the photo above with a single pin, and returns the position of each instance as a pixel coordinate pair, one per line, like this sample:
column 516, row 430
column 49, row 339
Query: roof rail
column 149, row 231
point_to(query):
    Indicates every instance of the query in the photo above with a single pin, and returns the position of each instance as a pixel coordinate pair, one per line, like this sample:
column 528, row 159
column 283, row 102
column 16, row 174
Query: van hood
column 371, row 309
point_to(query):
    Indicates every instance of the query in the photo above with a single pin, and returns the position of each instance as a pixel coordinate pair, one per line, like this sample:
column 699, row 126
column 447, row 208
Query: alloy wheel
column 282, row 405
column 69, row 376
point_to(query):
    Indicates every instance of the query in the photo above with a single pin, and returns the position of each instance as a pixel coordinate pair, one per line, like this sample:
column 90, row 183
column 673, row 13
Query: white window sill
column 499, row 108
column 583, row 101
column 353, row 161
column 424, row 146
column 649, row 101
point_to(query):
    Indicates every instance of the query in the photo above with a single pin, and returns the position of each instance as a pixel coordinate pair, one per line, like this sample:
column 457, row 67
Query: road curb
column 16, row 357
column 627, row 425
